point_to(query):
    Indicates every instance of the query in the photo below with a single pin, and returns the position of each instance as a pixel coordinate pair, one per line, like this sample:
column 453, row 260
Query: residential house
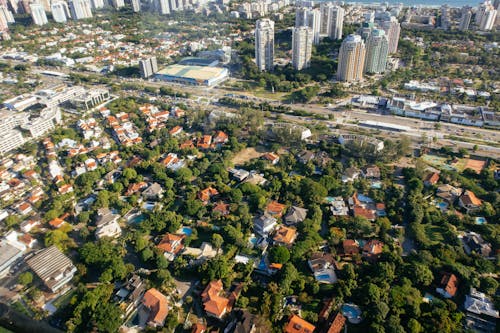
column 201, row 254
column 350, row 175
column 157, row 305
column 173, row 162
column 350, row 247
column 285, row 236
column 239, row 174
column 469, row 201
column 431, row 179
column 338, row 206
column 27, row 240
column 207, row 194
column 371, row 172
column 481, row 315
column 107, row 224
column 188, row 144
column 171, row 245
column 221, row 208
column 298, row 325
column 52, row 267
column 366, row 213
column 204, row 142
column 65, row 189
column 274, row 208
column 322, row 265
column 24, row 208
column 28, row 225
column 448, row 193
column 153, row 192
column 256, row 178
column 214, row 301
column 295, row 215
column 373, row 249
column 57, row 222
column 135, row 187
column 130, row 294
column 264, row 225
column 337, row 325
column 175, row 131
column 273, row 158
column 198, row 328
column 305, row 156
column 220, row 138
column 448, row 285
column 474, row 242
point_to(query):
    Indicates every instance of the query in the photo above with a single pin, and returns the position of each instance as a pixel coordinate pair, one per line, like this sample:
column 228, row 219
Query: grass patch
column 4, row 330
column 434, row 233
column 19, row 307
column 263, row 93
column 63, row 299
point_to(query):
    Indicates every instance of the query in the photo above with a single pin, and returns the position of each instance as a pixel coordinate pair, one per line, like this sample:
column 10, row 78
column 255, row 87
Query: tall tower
column 264, row 44
column 80, row 9
column 488, row 19
column 308, row 17
column 351, row 59
column 302, row 41
column 118, row 3
column 337, row 22
column 465, row 18
column 377, row 49
column 392, row 29
column 38, row 14
column 163, row 7
column 6, row 15
column 136, row 5
column 60, row 11
column 97, row 4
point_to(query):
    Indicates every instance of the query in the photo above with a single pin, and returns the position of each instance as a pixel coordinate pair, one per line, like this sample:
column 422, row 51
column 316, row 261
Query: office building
column 136, row 5
column 38, row 14
column 302, row 41
column 307, row 17
column 332, row 20
column 97, row 4
column 264, row 44
column 80, row 9
column 60, row 11
column 377, row 48
column 351, row 59
column 392, row 29
column 10, row 140
column 148, row 67
column 465, row 19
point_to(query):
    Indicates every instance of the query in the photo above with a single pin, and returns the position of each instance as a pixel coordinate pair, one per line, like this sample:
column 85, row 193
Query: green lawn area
column 63, row 299
column 434, row 233
column 263, row 93
column 4, row 330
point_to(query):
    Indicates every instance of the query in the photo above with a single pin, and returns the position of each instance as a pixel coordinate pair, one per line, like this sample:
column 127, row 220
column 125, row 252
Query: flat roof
column 193, row 72
column 7, row 252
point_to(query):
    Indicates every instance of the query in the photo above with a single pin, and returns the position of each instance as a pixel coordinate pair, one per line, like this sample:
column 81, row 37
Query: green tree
column 279, row 254
column 217, row 241
column 25, row 278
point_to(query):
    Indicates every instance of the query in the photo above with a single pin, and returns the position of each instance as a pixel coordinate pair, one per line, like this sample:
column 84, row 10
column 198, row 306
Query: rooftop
column 201, row 73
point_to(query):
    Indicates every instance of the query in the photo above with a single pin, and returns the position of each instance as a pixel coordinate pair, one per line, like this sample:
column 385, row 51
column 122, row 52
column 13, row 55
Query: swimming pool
column 480, row 220
column 253, row 240
column 188, row 231
column 352, row 312
column 329, row 199
column 442, row 205
column 137, row 219
column 377, row 185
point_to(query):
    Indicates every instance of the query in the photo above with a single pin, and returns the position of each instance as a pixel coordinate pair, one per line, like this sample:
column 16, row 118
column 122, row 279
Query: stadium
column 193, row 75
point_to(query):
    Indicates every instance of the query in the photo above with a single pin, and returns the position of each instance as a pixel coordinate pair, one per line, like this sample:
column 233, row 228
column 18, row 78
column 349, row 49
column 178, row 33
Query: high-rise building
column 445, row 17
column 336, row 22
column 97, row 4
column 117, row 4
column 351, row 59
column 377, row 49
column 45, row 4
column 163, row 7
column 308, row 17
column 264, row 44
column 38, row 14
column 392, row 29
column 488, row 19
column 465, row 19
column 3, row 22
column 80, row 9
column 302, row 41
column 6, row 17
column 481, row 10
column 136, row 5
column 173, row 5
column 60, row 11
column 148, row 67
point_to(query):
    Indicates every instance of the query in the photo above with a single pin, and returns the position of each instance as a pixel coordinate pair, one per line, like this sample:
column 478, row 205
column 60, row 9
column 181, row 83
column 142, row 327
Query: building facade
column 332, row 20
column 351, row 59
column 80, row 9
column 38, row 14
column 307, row 17
column 377, row 48
column 264, row 44
column 302, row 41
column 60, row 11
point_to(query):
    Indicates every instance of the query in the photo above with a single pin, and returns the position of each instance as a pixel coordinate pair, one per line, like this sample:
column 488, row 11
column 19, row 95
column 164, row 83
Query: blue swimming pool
column 480, row 220
column 352, row 312
column 329, row 199
column 323, row 277
column 137, row 219
column 187, row 231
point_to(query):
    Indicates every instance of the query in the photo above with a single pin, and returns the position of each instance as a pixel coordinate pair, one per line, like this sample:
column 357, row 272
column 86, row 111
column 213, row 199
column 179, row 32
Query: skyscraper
column 377, row 48
column 148, row 67
column 264, row 44
column 163, row 7
column 488, row 19
column 465, row 18
column 392, row 29
column 97, row 4
column 38, row 14
column 302, row 47
column 3, row 21
column 80, row 9
column 7, row 15
column 136, row 5
column 60, row 11
column 351, row 59
column 336, row 22
column 308, row 17
column 118, row 3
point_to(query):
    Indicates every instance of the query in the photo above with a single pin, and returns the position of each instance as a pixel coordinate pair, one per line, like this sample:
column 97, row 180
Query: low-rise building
column 448, row 285
column 171, row 245
column 373, row 249
column 9, row 254
column 107, row 224
column 295, row 215
column 157, row 305
column 298, row 325
column 481, row 315
column 469, row 202
column 214, row 299
column 285, row 236
column 264, row 225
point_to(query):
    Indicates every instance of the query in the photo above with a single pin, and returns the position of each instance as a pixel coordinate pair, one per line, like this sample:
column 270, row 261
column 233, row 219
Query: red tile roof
column 275, row 208
column 337, row 324
column 213, row 301
column 449, row 283
column 350, row 247
column 298, row 325
column 157, row 304
column 171, row 243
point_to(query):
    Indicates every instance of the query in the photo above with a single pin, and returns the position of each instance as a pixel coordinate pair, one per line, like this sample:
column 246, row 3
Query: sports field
column 458, row 165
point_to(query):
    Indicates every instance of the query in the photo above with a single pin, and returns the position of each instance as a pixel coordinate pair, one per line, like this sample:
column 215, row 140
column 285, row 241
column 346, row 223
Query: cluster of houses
column 124, row 131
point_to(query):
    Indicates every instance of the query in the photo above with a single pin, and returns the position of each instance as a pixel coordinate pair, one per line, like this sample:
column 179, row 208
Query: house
column 337, row 325
column 239, row 174
column 220, row 138
column 27, row 225
column 188, row 144
column 322, row 265
column 273, row 158
column 129, row 295
column 157, row 305
column 285, row 236
column 298, row 325
column 350, row 247
column 295, row 215
column 198, row 328
column 305, row 156
column 221, row 209
column 27, row 240
column 338, row 206
column 201, row 254
column 214, row 301
column 65, row 189
column 469, row 201
column 350, row 175
column 481, row 315
column 448, row 193
column 24, row 208
column 243, row 323
column 57, row 222
column 473, row 242
column 274, row 208
column 448, row 285
column 204, row 142
column 256, row 178
column 373, row 249
column 107, row 224
column 173, row 162
column 52, row 267
column 135, row 187
column 366, row 213
column 175, row 131
column 207, row 194
column 171, row 245
column 431, row 179
column 264, row 225
column 153, row 192
column 371, row 172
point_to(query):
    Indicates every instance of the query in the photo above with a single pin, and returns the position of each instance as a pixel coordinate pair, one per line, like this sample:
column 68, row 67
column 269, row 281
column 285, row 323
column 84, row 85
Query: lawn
column 4, row 330
column 434, row 233
column 63, row 299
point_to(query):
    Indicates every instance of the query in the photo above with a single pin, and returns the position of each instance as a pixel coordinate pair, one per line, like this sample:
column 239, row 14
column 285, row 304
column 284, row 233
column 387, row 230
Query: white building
column 264, row 44
column 351, row 59
column 47, row 121
column 302, row 40
column 465, row 19
column 118, row 3
column 332, row 20
column 60, row 11
column 38, row 14
column 107, row 224
column 97, row 4
column 136, row 5
column 377, row 49
column 80, row 9
column 392, row 29
column 307, row 17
